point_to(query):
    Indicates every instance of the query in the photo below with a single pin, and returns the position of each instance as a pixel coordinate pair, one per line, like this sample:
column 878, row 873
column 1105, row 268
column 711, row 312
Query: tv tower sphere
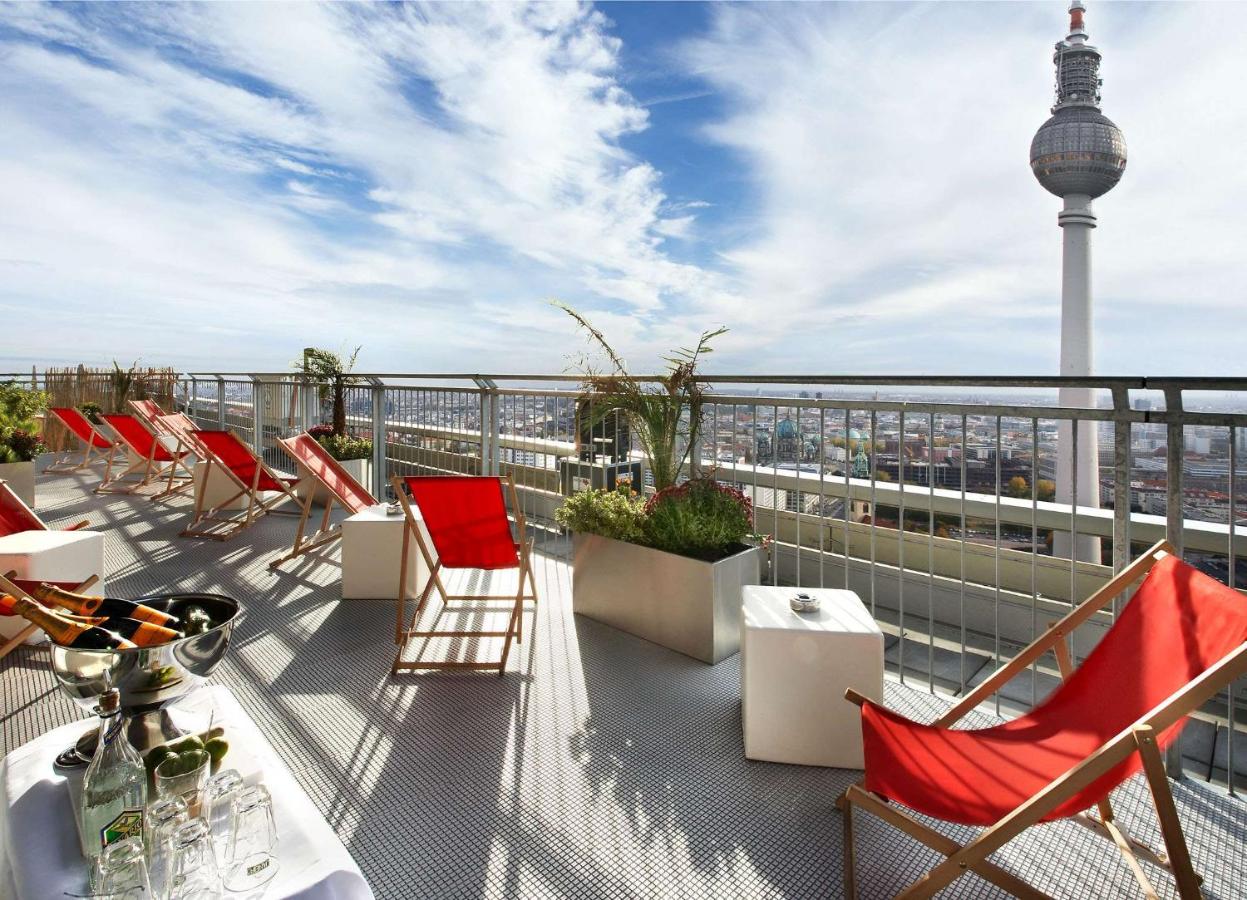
column 1079, row 150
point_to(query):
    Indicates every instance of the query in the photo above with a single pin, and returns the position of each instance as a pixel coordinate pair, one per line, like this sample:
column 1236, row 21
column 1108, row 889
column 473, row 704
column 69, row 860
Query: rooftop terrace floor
column 599, row 766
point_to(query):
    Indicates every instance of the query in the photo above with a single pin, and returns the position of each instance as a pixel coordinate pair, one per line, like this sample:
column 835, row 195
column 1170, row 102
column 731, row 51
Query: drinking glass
column 218, row 810
column 253, row 840
column 195, row 872
column 163, row 820
column 121, row 872
column 187, row 785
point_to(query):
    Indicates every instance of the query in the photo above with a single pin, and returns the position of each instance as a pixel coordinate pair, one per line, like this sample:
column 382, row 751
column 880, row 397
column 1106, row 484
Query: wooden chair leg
column 16, row 641
column 850, row 856
column 1167, row 813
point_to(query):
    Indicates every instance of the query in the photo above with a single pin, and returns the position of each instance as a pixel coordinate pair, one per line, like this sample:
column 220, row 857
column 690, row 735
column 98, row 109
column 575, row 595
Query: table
column 58, row 556
column 794, row 669
column 40, row 857
column 372, row 551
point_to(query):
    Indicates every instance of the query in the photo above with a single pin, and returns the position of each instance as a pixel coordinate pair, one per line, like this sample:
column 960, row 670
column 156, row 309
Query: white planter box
column 21, row 478
column 686, row 605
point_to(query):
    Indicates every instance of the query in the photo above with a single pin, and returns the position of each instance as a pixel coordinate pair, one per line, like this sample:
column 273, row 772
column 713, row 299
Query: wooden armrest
column 83, row 524
column 854, row 697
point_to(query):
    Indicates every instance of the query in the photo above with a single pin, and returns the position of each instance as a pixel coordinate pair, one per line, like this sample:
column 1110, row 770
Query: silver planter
column 686, row 605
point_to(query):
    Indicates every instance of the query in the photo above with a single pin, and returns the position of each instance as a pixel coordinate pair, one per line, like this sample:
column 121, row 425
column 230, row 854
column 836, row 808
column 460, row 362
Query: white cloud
column 888, row 148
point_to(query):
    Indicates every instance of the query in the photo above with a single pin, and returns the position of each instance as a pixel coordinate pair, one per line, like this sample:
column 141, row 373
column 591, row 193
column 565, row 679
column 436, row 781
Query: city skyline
column 844, row 186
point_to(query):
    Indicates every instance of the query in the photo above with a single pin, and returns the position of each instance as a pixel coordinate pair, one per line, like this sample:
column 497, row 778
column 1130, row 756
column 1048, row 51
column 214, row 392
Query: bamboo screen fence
column 109, row 389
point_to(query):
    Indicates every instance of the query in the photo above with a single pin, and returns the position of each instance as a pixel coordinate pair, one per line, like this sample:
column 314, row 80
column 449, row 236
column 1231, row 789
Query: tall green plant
column 665, row 417
column 332, row 374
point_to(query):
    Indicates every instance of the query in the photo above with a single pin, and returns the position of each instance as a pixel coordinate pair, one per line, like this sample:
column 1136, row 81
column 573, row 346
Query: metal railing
column 928, row 496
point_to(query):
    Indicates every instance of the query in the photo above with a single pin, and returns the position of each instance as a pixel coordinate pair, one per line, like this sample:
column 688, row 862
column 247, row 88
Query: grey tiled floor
column 600, row 766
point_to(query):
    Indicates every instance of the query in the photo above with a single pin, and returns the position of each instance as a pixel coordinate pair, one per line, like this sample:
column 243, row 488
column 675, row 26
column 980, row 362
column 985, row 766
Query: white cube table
column 794, row 669
column 57, row 556
column 372, row 550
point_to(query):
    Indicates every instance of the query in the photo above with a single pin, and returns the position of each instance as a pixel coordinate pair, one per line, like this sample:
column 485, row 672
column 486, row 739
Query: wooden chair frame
column 1140, row 737
column 204, row 522
column 405, row 631
column 323, row 534
column 143, row 412
column 187, row 445
column 149, row 468
column 65, row 462
column 8, row 586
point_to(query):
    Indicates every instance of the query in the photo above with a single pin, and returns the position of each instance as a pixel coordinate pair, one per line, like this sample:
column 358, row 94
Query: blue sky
column 844, row 185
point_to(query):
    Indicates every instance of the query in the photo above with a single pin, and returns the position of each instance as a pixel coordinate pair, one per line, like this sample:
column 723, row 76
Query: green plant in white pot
column 21, row 442
column 669, row 569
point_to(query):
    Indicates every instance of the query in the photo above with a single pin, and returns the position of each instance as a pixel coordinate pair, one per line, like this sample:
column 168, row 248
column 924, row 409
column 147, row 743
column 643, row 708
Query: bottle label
column 128, row 824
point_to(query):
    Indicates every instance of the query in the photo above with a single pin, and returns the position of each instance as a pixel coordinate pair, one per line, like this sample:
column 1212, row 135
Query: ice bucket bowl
column 149, row 678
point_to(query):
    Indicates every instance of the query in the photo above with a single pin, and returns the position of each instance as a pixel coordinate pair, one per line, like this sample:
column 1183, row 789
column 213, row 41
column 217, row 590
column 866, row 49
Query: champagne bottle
column 65, row 632
column 114, row 789
column 144, row 634
column 88, row 605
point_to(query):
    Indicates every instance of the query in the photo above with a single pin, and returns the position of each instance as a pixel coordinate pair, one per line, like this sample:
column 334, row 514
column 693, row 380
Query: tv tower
column 1078, row 155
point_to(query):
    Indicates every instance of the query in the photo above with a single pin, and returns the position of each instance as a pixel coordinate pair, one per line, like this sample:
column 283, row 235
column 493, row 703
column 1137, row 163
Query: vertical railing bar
column 847, row 506
column 822, row 471
column 900, row 541
column 1174, row 525
column 1034, row 551
column 1230, row 700
column 965, row 440
column 996, row 605
column 1075, row 430
column 798, row 505
column 931, row 552
column 775, row 488
column 874, row 510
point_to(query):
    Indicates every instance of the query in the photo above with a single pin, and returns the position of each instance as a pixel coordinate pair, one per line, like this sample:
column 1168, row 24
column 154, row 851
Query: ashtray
column 393, row 509
column 803, row 603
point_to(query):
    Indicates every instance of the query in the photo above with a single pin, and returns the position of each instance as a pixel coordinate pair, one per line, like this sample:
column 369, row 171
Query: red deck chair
column 148, row 412
column 181, row 428
column 16, row 517
column 92, row 441
column 152, row 459
column 1180, row 640
column 466, row 519
column 225, row 451
column 338, row 486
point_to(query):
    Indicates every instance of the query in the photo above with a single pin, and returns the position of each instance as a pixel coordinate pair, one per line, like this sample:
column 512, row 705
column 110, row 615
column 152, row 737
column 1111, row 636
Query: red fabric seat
column 1178, row 624
column 466, row 517
column 16, row 516
column 234, row 455
column 80, row 425
column 135, row 436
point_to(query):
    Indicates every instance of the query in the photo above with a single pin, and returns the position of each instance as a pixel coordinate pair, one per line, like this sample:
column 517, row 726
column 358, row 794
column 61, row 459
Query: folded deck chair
column 16, row 517
column 225, row 451
column 338, row 486
column 152, row 460
column 91, row 440
column 148, row 412
column 1179, row 640
column 467, row 524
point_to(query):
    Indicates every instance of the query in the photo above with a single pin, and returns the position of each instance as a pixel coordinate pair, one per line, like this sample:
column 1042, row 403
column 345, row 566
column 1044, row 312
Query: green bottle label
column 128, row 824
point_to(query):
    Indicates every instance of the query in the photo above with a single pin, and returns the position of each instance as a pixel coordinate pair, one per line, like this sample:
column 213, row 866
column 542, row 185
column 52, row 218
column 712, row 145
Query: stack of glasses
column 217, row 836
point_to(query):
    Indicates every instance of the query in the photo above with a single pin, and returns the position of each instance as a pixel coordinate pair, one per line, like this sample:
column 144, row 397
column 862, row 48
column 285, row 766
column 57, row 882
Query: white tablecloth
column 41, row 857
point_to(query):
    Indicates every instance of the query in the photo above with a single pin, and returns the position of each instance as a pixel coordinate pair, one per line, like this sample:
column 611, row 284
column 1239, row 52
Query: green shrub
column 617, row 514
column 700, row 518
column 19, row 430
column 91, row 411
column 343, row 447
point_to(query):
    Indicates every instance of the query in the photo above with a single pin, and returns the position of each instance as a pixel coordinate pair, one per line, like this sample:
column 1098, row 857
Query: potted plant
column 330, row 373
column 20, row 440
column 354, row 453
column 669, row 569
